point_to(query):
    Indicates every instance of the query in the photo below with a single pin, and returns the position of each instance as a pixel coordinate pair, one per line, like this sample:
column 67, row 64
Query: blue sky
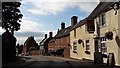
column 43, row 16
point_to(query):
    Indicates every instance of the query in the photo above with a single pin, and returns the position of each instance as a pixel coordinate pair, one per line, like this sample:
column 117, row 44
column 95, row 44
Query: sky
column 42, row 16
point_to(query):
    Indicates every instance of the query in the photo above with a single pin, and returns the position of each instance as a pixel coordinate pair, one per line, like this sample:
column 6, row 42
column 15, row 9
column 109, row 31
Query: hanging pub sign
column 79, row 41
column 109, row 35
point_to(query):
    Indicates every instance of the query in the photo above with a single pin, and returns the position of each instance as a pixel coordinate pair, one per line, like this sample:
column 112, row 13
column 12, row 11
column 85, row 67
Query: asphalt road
column 54, row 62
column 43, row 62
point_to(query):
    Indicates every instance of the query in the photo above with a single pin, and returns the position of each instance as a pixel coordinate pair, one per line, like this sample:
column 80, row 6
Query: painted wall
column 113, row 46
column 119, row 35
column 111, row 25
column 82, row 34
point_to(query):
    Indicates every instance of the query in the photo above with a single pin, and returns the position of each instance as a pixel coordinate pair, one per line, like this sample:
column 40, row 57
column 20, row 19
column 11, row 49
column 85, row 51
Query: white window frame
column 103, row 45
column 75, row 46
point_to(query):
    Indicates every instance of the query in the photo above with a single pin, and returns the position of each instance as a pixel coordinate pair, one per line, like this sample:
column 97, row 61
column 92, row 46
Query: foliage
column 109, row 35
column 11, row 16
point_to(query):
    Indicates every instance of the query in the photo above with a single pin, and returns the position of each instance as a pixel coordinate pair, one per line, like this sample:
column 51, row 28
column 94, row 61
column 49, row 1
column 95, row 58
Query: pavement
column 75, row 63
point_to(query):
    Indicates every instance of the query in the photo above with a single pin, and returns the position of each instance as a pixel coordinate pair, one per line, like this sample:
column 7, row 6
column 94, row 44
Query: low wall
column 35, row 52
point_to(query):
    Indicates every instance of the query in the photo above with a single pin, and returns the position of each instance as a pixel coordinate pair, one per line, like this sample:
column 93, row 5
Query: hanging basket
column 109, row 35
column 74, row 51
column 80, row 41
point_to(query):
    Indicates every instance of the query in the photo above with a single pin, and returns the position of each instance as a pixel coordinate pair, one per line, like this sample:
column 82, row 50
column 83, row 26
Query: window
column 87, row 45
column 103, row 45
column 74, row 33
column 102, row 20
column 74, row 45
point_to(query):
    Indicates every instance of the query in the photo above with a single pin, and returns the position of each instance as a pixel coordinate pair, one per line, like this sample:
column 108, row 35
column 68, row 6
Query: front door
column 97, row 55
column 96, row 45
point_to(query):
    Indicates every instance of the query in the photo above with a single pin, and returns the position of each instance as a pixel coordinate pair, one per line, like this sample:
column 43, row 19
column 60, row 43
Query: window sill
column 74, row 51
column 87, row 52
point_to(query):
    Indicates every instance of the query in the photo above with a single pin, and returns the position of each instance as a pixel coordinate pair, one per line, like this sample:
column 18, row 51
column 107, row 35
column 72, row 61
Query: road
column 54, row 62
column 44, row 62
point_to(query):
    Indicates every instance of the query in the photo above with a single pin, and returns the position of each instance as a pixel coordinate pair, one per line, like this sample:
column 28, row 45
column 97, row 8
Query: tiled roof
column 101, row 7
column 64, row 32
column 52, row 40
column 42, row 42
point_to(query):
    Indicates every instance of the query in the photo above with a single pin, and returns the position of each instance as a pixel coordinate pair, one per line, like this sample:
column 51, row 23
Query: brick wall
column 67, row 52
column 35, row 52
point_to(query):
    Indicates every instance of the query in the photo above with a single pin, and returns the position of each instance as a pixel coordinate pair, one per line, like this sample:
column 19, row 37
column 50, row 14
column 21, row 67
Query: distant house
column 51, row 45
column 97, row 37
column 44, row 44
column 30, row 45
column 41, row 45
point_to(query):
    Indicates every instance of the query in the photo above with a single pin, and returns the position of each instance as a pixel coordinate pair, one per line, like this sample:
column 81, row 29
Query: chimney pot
column 45, row 35
column 50, row 34
column 62, row 25
column 73, row 20
column 58, row 31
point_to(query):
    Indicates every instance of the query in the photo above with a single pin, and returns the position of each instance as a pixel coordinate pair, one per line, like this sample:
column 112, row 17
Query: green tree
column 11, row 16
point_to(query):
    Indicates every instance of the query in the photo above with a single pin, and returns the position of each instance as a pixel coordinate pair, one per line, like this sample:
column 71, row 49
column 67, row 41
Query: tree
column 11, row 16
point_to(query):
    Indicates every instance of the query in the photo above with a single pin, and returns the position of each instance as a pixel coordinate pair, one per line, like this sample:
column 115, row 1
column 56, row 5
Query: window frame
column 75, row 46
column 103, row 41
column 87, row 45
column 102, row 20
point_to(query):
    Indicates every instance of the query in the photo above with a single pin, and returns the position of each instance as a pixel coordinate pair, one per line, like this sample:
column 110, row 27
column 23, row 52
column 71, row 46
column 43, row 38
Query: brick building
column 30, row 45
column 62, row 38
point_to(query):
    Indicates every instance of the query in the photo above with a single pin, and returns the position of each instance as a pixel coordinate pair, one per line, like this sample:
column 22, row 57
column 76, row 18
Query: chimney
column 50, row 34
column 58, row 31
column 73, row 20
column 45, row 36
column 62, row 25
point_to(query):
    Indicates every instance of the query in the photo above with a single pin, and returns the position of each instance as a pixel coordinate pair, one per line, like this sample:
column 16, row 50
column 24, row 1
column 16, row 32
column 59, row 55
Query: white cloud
column 46, row 7
column 29, row 25
column 1, row 30
column 87, row 6
column 62, row 0
column 21, row 40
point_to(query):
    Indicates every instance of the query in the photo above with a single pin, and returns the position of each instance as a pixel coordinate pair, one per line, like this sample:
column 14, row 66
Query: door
column 96, row 45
